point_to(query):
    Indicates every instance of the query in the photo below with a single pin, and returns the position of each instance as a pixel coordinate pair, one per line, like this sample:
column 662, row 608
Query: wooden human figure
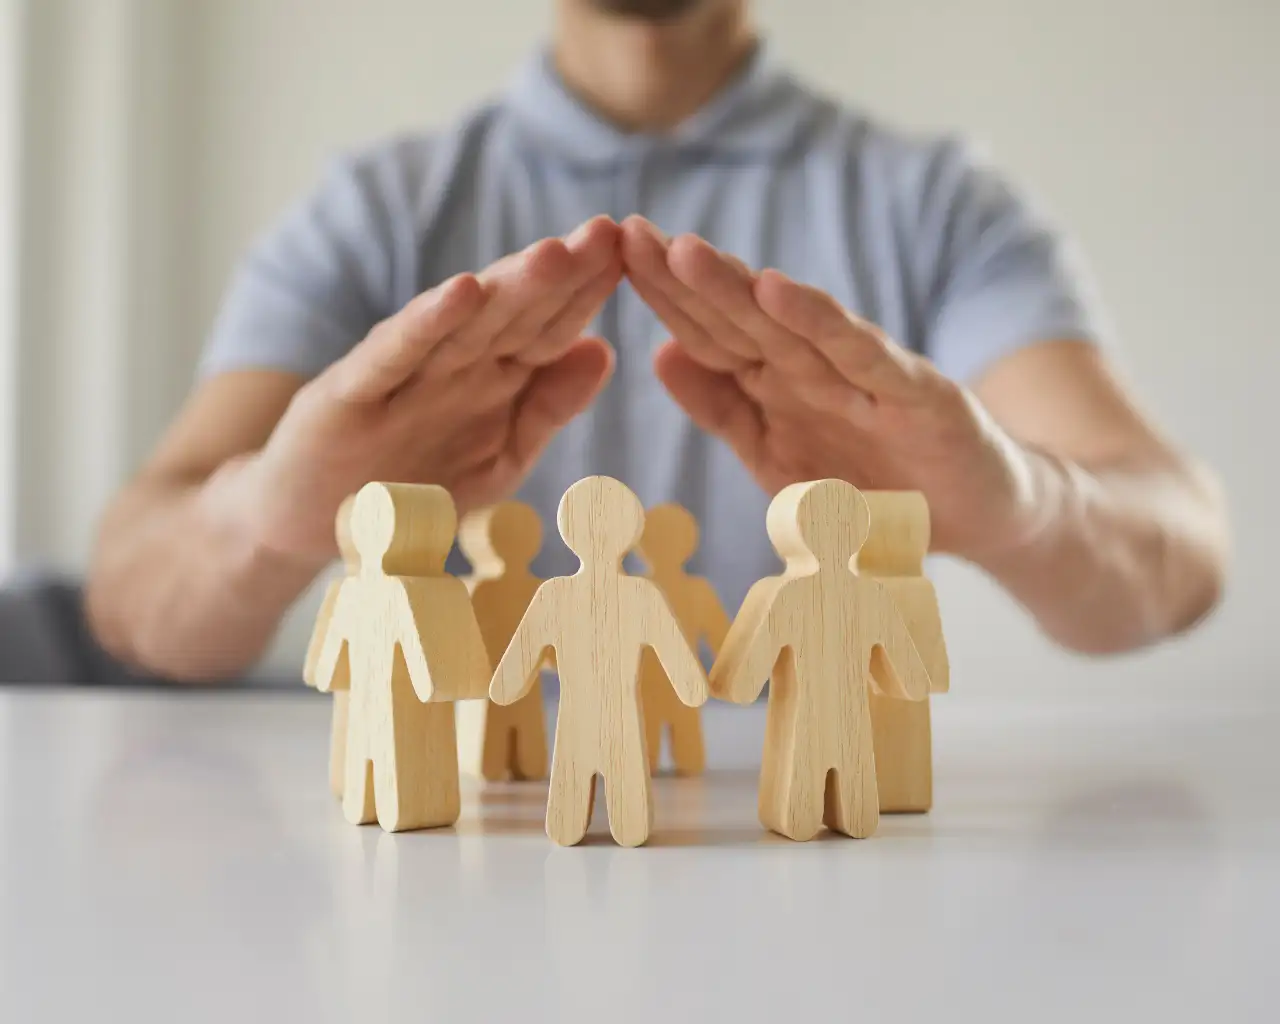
column 817, row 630
column 340, row 684
column 669, row 540
column 497, row 742
column 413, row 647
column 894, row 555
column 597, row 622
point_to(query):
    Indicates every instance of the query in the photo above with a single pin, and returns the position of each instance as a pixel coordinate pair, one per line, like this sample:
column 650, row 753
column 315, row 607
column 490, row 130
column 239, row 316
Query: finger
column 472, row 391
column 513, row 284
column 766, row 385
column 727, row 287
column 827, row 395
column 564, row 331
column 598, row 238
column 694, row 322
column 593, row 249
column 644, row 256
column 859, row 351
column 714, row 401
column 556, row 394
column 696, row 342
column 397, row 348
column 488, row 384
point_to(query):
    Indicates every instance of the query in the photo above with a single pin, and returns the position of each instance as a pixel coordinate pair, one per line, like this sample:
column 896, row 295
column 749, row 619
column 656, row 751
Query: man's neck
column 649, row 77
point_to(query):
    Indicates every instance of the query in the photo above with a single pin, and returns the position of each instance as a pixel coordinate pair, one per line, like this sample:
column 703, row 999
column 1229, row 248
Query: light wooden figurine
column 497, row 742
column 340, row 683
column 816, row 631
column 413, row 647
column 597, row 622
column 669, row 540
column 894, row 555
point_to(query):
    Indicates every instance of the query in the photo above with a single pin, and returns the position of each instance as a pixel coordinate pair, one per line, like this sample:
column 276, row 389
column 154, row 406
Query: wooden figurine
column 894, row 556
column 821, row 632
column 413, row 646
column 669, row 540
column 597, row 622
column 497, row 742
column 340, row 683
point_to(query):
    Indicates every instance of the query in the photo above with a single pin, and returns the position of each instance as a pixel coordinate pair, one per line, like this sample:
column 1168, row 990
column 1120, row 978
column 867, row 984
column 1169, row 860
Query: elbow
column 143, row 645
column 1207, row 544
column 1181, row 584
column 110, row 619
column 107, row 625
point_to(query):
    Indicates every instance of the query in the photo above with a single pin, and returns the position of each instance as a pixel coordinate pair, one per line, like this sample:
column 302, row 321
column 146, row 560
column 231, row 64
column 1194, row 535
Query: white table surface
column 179, row 858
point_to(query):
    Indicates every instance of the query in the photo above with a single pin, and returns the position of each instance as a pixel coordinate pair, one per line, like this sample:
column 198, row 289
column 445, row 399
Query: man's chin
column 647, row 10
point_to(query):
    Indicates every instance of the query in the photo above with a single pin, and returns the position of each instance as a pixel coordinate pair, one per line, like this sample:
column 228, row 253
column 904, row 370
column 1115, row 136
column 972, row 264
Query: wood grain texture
column 894, row 555
column 814, row 631
column 494, row 741
column 413, row 646
column 598, row 622
column 340, row 683
column 669, row 540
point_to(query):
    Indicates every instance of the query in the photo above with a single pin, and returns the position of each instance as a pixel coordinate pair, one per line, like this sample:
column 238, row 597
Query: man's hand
column 803, row 390
column 464, row 387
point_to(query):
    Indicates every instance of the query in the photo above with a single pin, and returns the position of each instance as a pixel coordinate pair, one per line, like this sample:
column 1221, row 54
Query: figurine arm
column 678, row 659
column 522, row 661
column 440, row 639
column 715, row 621
column 328, row 664
column 748, row 654
column 897, row 668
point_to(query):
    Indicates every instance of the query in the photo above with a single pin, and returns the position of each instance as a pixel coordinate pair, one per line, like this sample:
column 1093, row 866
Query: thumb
column 714, row 401
column 556, row 393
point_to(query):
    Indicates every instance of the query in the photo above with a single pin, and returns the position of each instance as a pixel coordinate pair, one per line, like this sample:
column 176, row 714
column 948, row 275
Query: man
column 571, row 280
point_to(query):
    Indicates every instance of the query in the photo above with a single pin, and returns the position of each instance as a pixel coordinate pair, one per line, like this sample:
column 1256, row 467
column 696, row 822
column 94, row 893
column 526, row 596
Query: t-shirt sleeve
column 316, row 282
column 1004, row 276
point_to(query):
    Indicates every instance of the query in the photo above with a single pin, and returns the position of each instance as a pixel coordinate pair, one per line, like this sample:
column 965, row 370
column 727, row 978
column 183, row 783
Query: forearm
column 178, row 586
column 1120, row 558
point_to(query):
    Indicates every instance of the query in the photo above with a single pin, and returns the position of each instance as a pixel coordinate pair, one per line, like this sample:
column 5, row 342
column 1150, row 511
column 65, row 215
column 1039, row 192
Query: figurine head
column 403, row 529
column 600, row 520
column 502, row 537
column 670, row 537
column 824, row 522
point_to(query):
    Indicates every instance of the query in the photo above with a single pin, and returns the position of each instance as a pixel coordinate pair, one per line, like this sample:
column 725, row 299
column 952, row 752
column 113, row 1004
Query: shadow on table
column 494, row 825
column 509, row 794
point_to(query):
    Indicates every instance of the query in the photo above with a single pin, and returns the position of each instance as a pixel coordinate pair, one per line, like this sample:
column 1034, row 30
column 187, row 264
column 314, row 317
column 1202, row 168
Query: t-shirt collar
column 757, row 113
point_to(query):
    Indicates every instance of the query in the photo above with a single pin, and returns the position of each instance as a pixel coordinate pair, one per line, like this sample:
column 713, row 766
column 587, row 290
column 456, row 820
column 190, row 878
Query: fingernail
column 579, row 234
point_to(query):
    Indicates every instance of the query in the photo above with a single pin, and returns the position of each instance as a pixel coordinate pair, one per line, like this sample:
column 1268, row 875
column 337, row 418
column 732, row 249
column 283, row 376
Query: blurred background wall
column 9, row 110
column 157, row 137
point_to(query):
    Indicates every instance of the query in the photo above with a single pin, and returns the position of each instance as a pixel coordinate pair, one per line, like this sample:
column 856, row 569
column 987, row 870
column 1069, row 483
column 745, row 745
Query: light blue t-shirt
column 913, row 234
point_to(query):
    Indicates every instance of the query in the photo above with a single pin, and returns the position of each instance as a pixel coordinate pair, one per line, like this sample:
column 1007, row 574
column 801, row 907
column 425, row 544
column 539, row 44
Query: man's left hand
column 801, row 390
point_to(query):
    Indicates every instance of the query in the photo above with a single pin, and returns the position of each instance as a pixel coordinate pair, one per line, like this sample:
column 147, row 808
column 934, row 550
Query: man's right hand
column 464, row 387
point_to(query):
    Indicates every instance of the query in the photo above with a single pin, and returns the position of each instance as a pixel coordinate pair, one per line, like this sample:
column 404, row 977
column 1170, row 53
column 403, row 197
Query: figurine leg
column 653, row 738
column 569, row 799
column 852, row 797
column 687, row 748
column 627, row 794
column 529, row 740
column 496, row 744
column 358, row 805
column 800, row 806
column 338, row 743
column 421, row 782
column 777, row 771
